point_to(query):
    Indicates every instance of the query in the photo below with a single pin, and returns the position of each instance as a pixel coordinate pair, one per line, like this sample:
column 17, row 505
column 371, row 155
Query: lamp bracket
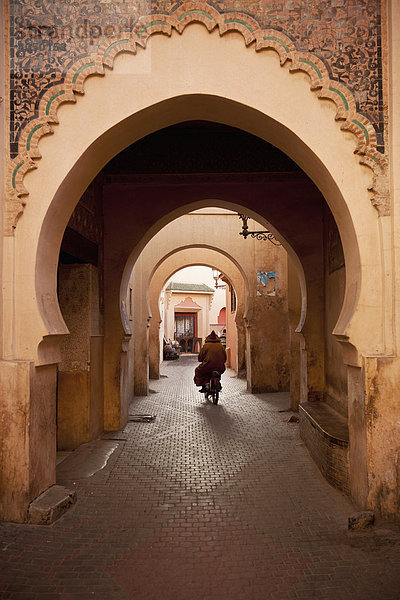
column 258, row 235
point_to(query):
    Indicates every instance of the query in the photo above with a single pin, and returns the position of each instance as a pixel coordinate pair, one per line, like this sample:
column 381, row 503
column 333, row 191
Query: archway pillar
column 80, row 400
column 357, row 434
column 382, row 432
column 298, row 369
column 118, row 370
column 141, row 359
column 267, row 349
column 141, row 324
column 28, row 442
column 154, row 349
column 118, row 338
column 241, row 346
column 374, row 417
column 115, row 404
column 313, row 338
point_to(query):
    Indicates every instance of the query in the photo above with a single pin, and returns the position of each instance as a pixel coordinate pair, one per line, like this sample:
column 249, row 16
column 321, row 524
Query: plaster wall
column 80, row 371
column 267, row 319
column 383, row 434
column 217, row 306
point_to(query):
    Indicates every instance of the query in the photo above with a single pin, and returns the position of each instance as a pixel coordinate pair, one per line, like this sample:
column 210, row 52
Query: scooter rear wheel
column 215, row 396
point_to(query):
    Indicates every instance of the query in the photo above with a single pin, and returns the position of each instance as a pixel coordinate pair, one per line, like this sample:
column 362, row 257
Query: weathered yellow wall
column 80, row 371
column 28, row 440
column 268, row 320
column 14, row 441
column 383, row 434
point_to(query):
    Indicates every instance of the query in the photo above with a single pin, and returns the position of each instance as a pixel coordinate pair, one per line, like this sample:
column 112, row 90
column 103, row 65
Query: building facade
column 187, row 317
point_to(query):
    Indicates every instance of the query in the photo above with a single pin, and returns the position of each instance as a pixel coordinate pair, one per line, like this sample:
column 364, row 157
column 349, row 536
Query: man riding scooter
column 212, row 357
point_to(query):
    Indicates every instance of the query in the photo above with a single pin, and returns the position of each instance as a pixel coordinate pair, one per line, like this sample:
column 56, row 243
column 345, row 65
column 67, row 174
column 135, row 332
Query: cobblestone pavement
column 205, row 503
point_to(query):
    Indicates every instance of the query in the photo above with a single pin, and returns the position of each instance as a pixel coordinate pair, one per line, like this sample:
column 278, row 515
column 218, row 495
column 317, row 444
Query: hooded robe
column 212, row 357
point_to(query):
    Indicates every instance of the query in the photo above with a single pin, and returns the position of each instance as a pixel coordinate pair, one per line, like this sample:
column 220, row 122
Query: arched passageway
column 205, row 257
column 165, row 243
column 296, row 206
column 209, row 232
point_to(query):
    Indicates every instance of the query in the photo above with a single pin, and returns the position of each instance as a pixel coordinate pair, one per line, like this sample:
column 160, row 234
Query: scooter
column 214, row 387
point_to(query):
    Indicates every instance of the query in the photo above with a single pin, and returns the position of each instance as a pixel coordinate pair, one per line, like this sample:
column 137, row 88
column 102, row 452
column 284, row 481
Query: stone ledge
column 331, row 423
column 50, row 505
column 325, row 433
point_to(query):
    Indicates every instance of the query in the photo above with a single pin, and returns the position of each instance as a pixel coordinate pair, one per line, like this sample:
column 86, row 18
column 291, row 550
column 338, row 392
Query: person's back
column 212, row 357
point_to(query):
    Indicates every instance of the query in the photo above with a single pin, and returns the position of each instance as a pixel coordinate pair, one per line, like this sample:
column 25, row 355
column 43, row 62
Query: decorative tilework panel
column 48, row 36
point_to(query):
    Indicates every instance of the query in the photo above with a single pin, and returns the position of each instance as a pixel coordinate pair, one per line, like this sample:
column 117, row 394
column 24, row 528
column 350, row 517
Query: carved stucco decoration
column 179, row 19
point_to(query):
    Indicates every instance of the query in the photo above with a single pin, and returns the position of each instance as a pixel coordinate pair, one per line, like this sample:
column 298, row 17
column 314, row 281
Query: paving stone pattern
column 205, row 503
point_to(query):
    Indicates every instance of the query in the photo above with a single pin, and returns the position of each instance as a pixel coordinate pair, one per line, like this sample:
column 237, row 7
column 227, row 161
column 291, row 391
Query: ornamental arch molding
column 253, row 35
column 73, row 156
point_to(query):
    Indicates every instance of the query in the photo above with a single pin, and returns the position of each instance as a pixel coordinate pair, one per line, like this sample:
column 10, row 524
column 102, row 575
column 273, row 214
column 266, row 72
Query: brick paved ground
column 205, row 503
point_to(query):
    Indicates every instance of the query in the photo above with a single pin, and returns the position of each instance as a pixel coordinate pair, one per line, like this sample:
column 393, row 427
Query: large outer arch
column 291, row 118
